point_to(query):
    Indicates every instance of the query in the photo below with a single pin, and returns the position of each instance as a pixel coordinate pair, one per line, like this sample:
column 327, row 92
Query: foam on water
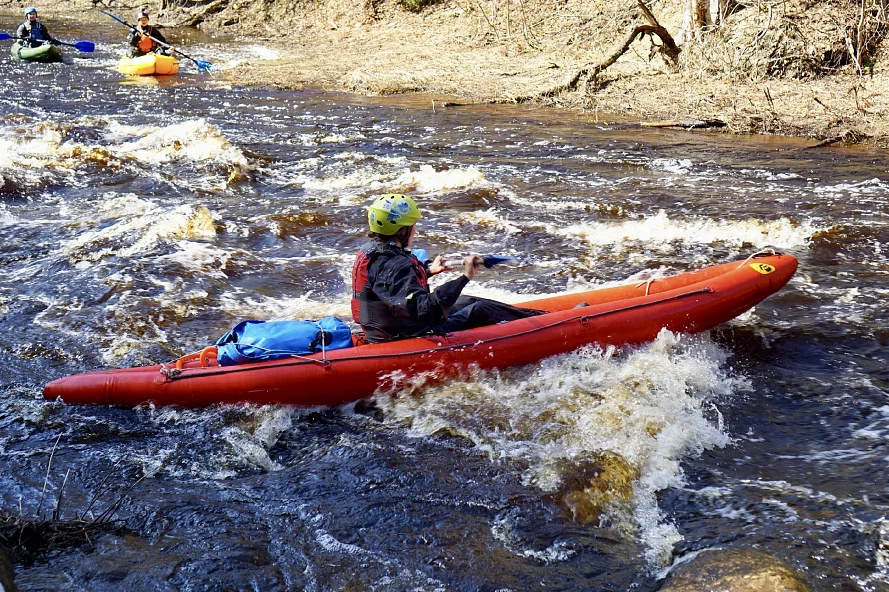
column 32, row 156
column 375, row 175
column 199, row 257
column 874, row 186
column 428, row 180
column 679, row 166
column 651, row 406
column 561, row 205
column 6, row 219
column 190, row 140
column 660, row 230
column 113, row 205
column 228, row 441
column 490, row 219
column 37, row 154
column 138, row 233
column 306, row 306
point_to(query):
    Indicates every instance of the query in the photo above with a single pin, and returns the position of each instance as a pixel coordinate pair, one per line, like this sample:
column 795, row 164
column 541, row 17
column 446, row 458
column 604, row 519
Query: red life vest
column 359, row 283
column 367, row 308
column 145, row 43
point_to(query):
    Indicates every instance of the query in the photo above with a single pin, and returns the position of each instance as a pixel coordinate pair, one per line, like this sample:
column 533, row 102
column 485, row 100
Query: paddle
column 84, row 46
column 488, row 261
column 203, row 65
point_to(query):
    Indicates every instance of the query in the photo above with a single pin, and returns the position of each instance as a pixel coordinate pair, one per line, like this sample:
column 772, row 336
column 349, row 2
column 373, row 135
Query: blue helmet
column 29, row 10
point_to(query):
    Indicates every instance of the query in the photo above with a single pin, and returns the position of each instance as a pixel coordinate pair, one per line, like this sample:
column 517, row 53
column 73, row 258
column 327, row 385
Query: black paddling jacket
column 391, row 297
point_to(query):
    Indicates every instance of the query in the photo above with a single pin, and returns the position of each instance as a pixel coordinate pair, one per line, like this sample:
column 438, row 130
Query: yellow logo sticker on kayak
column 763, row 268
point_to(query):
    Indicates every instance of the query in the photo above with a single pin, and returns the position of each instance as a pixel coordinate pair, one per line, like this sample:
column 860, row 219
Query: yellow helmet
column 387, row 214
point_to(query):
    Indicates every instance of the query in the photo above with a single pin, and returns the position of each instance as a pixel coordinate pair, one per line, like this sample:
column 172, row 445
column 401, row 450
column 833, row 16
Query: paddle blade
column 488, row 261
column 85, row 46
column 5, row 36
column 204, row 65
column 492, row 260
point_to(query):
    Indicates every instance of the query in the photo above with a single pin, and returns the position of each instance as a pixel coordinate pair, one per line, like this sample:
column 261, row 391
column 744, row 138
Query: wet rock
column 735, row 570
column 588, row 487
column 6, row 573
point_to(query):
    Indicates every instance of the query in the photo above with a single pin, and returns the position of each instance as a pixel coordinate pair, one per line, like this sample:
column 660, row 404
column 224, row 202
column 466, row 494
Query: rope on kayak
column 647, row 284
column 582, row 319
column 763, row 253
column 586, row 318
column 212, row 352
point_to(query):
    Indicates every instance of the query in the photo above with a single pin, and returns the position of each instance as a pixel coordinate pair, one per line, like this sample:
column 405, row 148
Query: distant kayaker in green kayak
column 390, row 292
column 33, row 33
column 144, row 38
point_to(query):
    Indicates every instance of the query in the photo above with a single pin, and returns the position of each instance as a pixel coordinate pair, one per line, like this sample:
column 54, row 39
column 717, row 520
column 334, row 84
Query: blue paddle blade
column 203, row 65
column 85, row 46
column 492, row 260
column 5, row 36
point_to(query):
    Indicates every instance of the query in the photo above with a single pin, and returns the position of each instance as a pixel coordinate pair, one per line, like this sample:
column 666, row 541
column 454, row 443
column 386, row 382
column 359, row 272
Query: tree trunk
column 696, row 15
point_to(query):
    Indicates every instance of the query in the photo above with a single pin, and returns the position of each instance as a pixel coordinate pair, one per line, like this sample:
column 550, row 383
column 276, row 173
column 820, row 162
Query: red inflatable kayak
column 627, row 314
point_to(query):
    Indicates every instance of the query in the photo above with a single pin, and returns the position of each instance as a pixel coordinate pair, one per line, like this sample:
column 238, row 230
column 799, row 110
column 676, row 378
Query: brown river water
column 140, row 220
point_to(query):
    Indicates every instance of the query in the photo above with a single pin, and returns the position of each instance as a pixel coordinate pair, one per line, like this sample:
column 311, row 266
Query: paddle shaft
column 84, row 46
column 488, row 261
column 202, row 64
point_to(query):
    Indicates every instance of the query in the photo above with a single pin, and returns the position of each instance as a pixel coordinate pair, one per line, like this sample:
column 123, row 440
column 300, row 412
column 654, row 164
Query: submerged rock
column 587, row 488
column 735, row 570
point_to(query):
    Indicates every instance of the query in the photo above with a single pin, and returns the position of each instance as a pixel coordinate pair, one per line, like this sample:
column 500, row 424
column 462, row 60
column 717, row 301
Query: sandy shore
column 458, row 51
column 441, row 53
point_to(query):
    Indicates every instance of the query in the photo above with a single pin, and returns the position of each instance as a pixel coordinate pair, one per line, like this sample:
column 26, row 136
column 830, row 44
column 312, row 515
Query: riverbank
column 458, row 50
column 506, row 52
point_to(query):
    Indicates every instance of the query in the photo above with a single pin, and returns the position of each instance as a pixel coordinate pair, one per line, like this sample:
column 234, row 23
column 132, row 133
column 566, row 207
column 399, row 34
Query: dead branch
column 591, row 71
column 201, row 14
column 686, row 123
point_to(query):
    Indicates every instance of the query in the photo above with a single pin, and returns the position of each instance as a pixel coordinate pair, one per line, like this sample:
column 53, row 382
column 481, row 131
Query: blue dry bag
column 252, row 341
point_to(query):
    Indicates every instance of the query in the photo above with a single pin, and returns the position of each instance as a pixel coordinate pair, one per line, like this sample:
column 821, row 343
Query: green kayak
column 43, row 53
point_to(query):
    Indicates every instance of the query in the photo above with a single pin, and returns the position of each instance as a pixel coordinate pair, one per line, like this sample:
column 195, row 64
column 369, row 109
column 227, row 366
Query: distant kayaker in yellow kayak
column 390, row 292
column 141, row 40
column 33, row 33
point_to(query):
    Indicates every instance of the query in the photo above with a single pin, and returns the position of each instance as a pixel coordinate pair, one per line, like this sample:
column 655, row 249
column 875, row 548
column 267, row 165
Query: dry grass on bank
column 775, row 68
column 794, row 67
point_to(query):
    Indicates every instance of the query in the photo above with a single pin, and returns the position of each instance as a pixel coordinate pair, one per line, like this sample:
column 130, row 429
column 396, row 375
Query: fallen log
column 685, row 123
column 591, row 71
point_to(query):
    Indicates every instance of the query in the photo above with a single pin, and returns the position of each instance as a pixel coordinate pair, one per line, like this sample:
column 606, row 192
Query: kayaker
column 33, row 33
column 390, row 293
column 140, row 38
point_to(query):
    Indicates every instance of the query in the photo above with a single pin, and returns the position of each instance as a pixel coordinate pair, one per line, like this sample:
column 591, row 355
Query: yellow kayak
column 150, row 64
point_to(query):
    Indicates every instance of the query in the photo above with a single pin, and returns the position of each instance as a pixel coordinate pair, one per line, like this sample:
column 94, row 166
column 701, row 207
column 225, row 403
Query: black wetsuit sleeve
column 396, row 283
column 133, row 38
column 158, row 36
